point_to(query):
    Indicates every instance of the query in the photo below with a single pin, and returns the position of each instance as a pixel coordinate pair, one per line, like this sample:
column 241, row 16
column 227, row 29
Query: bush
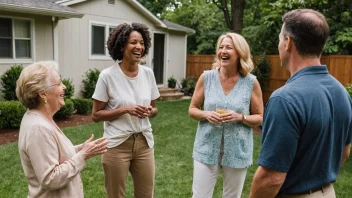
column 11, row 113
column 83, row 105
column 8, row 82
column 89, row 83
column 188, row 85
column 349, row 89
column 171, row 82
column 70, row 89
column 262, row 71
column 65, row 111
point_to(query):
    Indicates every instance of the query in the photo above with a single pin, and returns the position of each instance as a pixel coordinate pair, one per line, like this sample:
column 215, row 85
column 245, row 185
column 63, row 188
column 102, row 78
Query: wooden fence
column 339, row 66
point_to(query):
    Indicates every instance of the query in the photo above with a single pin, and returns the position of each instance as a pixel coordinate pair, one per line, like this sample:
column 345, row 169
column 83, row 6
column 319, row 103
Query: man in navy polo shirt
column 307, row 128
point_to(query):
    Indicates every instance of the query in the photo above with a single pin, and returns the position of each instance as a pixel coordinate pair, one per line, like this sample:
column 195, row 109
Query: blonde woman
column 232, row 101
column 51, row 163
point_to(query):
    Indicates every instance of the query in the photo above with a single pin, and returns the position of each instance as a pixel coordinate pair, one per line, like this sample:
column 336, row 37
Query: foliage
column 70, row 88
column 89, row 82
column 8, row 82
column 349, row 89
column 188, row 85
column 157, row 7
column 171, row 82
column 83, row 105
column 262, row 71
column 11, row 113
column 263, row 20
column 65, row 111
column 206, row 19
column 173, row 159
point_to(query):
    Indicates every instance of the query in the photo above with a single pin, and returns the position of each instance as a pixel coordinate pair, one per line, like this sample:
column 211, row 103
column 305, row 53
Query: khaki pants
column 134, row 156
column 327, row 192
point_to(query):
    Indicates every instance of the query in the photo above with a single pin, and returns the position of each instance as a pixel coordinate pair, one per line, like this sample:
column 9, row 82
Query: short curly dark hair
column 119, row 36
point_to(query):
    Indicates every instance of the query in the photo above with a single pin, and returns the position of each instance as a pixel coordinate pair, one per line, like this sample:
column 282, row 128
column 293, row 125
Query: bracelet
column 244, row 118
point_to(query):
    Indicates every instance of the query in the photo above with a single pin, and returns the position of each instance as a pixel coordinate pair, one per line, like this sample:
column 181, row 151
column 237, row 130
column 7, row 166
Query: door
column 158, row 57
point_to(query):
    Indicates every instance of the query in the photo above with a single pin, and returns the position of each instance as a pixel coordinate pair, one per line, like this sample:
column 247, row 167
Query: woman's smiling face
column 55, row 92
column 227, row 53
column 134, row 48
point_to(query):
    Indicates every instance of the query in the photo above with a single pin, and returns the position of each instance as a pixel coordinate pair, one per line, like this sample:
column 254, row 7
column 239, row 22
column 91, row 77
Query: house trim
column 40, row 11
column 14, row 60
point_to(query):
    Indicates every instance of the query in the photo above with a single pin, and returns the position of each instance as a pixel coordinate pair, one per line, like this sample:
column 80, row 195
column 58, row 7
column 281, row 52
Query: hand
column 137, row 111
column 91, row 148
column 231, row 116
column 150, row 110
column 212, row 117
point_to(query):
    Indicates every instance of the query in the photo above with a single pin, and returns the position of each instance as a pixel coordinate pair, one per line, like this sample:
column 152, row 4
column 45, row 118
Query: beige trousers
column 327, row 192
column 134, row 156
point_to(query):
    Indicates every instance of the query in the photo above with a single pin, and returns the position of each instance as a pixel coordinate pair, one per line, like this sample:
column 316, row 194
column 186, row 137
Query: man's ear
column 289, row 43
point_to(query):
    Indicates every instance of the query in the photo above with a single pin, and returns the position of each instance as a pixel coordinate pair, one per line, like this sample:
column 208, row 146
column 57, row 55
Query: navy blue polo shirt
column 306, row 125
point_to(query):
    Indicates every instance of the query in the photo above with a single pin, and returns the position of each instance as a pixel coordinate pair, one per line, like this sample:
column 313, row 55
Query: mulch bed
column 11, row 135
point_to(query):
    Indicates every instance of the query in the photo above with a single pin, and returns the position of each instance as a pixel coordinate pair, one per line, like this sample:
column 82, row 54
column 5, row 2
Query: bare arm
column 346, row 153
column 256, row 108
column 266, row 183
column 100, row 114
column 195, row 111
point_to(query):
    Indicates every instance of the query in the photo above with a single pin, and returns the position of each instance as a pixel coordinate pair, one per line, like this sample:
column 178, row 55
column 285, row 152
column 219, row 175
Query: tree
column 158, row 7
column 206, row 19
column 233, row 16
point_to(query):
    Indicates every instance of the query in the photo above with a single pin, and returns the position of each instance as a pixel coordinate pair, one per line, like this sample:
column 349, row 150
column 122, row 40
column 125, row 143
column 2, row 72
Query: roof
column 178, row 27
column 40, row 7
column 135, row 4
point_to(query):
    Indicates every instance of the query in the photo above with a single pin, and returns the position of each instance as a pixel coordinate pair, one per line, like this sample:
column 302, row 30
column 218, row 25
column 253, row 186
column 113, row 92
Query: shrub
column 89, row 83
column 171, row 82
column 83, row 105
column 188, row 85
column 262, row 71
column 11, row 113
column 65, row 111
column 349, row 89
column 70, row 88
column 8, row 82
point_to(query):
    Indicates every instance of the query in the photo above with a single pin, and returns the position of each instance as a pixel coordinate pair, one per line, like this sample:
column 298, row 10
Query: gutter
column 39, row 11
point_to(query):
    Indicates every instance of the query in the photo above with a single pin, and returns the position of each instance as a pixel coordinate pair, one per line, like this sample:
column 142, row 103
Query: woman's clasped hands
column 217, row 118
column 140, row 111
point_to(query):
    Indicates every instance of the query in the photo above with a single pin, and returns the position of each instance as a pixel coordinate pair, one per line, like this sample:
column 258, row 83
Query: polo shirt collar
column 311, row 70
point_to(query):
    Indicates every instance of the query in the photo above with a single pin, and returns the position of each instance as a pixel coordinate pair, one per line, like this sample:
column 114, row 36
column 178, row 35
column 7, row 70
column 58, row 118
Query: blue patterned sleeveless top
column 238, row 138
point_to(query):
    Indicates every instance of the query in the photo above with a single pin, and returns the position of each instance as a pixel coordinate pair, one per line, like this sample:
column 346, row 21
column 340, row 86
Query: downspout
column 55, row 39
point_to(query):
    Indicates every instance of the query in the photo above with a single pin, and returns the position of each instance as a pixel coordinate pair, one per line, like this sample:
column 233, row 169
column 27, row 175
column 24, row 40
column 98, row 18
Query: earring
column 45, row 100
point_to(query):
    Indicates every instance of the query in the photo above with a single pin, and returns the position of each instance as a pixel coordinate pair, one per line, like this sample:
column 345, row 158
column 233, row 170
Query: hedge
column 83, row 105
column 11, row 113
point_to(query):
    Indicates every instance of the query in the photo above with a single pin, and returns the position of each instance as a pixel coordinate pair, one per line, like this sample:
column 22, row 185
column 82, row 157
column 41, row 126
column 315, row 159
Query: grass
column 174, row 133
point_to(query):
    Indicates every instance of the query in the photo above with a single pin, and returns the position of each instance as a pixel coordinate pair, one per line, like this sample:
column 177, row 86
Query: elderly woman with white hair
column 50, row 162
column 232, row 101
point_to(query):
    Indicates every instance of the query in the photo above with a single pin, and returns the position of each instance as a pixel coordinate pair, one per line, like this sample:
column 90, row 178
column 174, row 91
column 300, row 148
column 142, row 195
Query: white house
column 74, row 33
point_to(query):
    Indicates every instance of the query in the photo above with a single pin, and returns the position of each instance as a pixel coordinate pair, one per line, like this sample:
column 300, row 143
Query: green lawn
column 174, row 133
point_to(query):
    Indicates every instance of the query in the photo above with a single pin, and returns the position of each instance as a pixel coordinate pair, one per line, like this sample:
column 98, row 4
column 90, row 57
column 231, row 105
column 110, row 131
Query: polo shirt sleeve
column 349, row 135
column 281, row 131
column 101, row 89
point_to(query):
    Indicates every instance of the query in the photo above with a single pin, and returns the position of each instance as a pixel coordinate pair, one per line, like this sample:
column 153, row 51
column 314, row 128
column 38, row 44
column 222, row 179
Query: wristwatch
column 244, row 118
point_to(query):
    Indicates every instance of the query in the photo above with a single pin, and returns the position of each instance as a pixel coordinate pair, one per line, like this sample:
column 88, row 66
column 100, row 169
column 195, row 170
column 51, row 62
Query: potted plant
column 171, row 82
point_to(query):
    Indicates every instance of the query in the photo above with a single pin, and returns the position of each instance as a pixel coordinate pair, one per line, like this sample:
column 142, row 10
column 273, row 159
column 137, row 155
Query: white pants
column 205, row 176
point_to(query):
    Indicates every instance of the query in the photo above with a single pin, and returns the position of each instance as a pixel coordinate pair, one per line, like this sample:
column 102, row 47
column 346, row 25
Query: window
column 99, row 33
column 15, row 38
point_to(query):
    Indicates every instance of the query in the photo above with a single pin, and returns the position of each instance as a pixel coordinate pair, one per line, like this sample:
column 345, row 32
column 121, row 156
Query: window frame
column 14, row 59
column 90, row 37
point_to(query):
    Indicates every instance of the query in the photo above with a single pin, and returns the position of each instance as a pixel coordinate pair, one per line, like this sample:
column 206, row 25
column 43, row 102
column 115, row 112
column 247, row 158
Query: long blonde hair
column 245, row 64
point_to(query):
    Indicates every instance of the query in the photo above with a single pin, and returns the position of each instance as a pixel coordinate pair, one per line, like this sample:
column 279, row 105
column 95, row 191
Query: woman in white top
column 51, row 163
column 125, row 98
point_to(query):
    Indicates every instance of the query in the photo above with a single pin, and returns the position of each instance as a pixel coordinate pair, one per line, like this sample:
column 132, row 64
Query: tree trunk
column 237, row 11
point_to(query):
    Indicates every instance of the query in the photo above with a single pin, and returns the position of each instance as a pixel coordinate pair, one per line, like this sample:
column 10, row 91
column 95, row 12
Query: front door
column 158, row 57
